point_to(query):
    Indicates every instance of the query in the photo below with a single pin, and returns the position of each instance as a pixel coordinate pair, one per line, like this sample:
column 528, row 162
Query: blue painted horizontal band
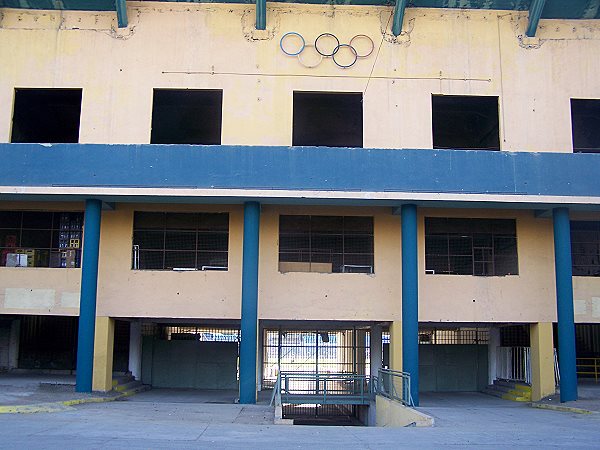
column 300, row 168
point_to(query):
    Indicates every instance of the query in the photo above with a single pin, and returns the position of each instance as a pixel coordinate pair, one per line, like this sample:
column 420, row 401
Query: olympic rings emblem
column 327, row 45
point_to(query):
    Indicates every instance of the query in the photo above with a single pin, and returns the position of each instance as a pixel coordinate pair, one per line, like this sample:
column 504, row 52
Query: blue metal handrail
column 325, row 388
column 395, row 385
column 341, row 388
column 276, row 397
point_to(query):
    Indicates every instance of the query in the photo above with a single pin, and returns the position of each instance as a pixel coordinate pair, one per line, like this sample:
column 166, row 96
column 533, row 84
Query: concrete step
column 127, row 386
column 121, row 380
column 513, row 385
column 501, row 388
column 139, row 387
column 509, row 390
column 493, row 392
column 511, row 394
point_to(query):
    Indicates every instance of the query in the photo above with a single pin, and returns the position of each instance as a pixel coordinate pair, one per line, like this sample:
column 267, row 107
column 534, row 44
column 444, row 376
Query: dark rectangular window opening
column 465, row 122
column 326, row 244
column 180, row 241
column 585, row 248
column 483, row 247
column 46, row 116
column 187, row 116
column 585, row 121
column 327, row 119
column 40, row 239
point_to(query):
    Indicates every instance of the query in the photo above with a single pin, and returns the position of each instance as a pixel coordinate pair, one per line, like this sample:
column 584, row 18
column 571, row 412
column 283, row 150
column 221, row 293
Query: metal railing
column 325, row 388
column 514, row 364
column 340, row 388
column 394, row 385
column 556, row 370
column 276, row 397
column 589, row 366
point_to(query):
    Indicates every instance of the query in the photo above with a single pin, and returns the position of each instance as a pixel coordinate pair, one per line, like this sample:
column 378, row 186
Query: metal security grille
column 324, row 411
column 150, row 329
column 484, row 247
column 585, row 248
column 202, row 334
column 180, row 241
column 314, row 351
column 40, row 239
column 326, row 244
column 454, row 336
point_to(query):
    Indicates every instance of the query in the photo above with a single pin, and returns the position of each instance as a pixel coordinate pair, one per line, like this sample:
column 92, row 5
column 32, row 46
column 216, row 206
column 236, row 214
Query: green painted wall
column 453, row 368
column 189, row 364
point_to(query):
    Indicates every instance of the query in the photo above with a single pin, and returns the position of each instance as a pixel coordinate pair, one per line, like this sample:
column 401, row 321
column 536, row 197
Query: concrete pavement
column 461, row 420
column 588, row 391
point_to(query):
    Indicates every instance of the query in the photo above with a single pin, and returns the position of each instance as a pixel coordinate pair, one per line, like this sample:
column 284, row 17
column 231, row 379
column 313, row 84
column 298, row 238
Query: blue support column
column 87, row 303
column 399, row 10
column 535, row 13
column 261, row 14
column 121, row 7
column 564, row 304
column 410, row 299
column 249, row 328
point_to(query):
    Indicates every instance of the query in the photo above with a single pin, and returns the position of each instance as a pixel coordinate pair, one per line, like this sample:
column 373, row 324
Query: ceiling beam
column 261, row 14
column 535, row 13
column 398, row 16
column 121, row 8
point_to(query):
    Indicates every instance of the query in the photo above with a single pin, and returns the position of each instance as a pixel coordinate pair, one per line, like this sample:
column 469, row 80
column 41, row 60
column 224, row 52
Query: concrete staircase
column 509, row 390
column 128, row 385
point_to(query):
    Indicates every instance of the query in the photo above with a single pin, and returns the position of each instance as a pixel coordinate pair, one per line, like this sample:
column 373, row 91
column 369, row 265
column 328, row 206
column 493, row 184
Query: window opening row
column 331, row 119
column 326, row 244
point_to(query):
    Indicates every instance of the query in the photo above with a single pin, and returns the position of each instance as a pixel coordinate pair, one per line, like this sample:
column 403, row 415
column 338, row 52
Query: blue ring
column 286, row 35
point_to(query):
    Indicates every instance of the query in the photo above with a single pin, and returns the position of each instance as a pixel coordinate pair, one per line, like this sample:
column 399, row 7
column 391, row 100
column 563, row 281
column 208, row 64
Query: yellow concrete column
column 396, row 345
column 104, row 338
column 542, row 361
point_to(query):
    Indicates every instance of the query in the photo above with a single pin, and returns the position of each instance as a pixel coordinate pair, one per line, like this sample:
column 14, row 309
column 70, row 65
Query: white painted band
column 295, row 194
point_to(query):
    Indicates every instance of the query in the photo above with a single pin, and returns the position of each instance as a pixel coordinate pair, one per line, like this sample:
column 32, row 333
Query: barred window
column 585, row 248
column 180, row 241
column 483, row 247
column 328, row 244
column 40, row 239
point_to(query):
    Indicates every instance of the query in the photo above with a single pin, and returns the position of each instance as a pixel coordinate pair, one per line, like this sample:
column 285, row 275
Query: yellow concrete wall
column 104, row 339
column 527, row 297
column 123, row 292
column 214, row 46
column 40, row 290
column 586, row 290
column 586, row 299
column 542, row 361
column 341, row 296
column 390, row 413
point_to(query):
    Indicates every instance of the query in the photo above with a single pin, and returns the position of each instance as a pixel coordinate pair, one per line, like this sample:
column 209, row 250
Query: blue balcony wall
column 300, row 168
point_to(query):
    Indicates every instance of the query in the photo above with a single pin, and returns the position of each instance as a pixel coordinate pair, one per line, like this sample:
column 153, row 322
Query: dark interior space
column 48, row 342
column 46, row 116
column 465, row 122
column 183, row 116
column 585, row 120
column 121, row 346
column 515, row 336
column 328, row 119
